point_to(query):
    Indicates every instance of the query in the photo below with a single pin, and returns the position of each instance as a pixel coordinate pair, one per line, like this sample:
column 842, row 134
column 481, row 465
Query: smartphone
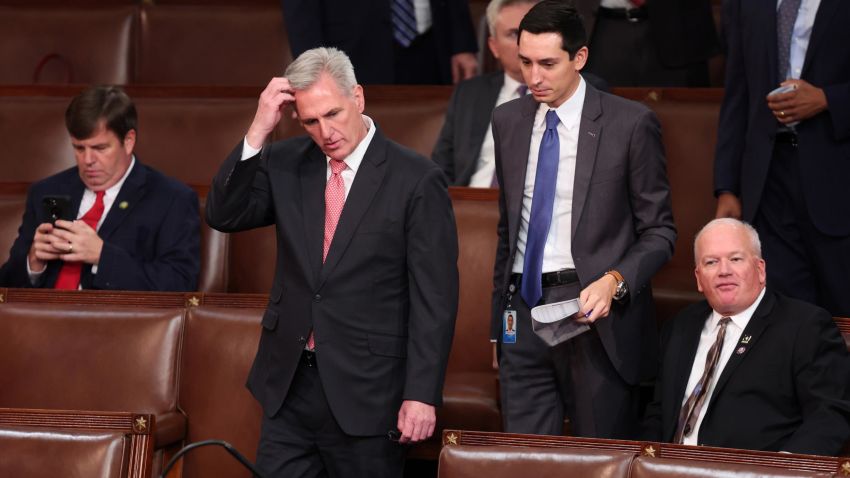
column 57, row 207
column 782, row 89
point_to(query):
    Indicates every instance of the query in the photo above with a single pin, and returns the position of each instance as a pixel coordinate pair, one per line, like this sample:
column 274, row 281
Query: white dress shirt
column 86, row 203
column 557, row 253
column 734, row 330
column 800, row 35
column 485, row 167
column 352, row 161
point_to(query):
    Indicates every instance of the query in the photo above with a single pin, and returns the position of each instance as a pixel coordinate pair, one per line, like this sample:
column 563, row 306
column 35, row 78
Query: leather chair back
column 66, row 45
column 219, row 348
column 464, row 461
column 211, row 45
column 90, row 357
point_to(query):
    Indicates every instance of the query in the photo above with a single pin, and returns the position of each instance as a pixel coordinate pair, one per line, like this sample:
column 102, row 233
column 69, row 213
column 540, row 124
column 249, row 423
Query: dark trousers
column 304, row 439
column 540, row 384
column 801, row 261
column 623, row 54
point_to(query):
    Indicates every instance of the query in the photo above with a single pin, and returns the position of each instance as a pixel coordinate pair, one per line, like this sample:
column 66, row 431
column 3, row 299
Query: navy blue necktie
column 542, row 205
column 404, row 22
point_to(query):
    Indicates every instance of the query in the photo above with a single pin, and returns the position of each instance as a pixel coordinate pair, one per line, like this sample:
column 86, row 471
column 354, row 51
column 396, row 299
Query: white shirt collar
column 354, row 159
column 112, row 192
column 569, row 112
column 511, row 84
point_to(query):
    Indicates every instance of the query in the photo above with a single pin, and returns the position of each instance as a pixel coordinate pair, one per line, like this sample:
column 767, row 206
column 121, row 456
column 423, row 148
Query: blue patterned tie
column 786, row 16
column 404, row 22
column 542, row 203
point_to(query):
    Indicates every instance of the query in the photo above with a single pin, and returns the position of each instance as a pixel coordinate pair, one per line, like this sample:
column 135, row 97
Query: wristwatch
column 622, row 288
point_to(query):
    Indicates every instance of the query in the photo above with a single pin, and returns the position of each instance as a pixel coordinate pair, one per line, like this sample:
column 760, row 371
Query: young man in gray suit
column 584, row 213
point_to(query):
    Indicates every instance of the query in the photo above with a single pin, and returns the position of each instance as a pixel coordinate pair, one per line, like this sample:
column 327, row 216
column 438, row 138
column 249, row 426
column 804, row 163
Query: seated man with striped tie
column 110, row 222
column 747, row 367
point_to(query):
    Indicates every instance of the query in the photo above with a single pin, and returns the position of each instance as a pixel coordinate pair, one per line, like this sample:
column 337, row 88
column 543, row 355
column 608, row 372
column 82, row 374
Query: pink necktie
column 334, row 200
column 69, row 274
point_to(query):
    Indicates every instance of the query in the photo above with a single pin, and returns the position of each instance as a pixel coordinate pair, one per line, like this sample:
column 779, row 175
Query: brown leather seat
column 645, row 467
column 69, row 45
column 218, row 350
column 511, row 462
column 215, row 247
column 11, row 211
column 35, row 141
column 93, row 357
column 211, row 45
column 41, row 443
column 187, row 137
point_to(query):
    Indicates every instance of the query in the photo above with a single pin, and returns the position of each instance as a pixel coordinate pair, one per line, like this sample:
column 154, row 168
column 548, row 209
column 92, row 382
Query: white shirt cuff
column 248, row 151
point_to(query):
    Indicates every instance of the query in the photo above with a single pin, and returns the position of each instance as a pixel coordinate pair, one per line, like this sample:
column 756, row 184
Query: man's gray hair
column 496, row 6
column 305, row 70
column 755, row 242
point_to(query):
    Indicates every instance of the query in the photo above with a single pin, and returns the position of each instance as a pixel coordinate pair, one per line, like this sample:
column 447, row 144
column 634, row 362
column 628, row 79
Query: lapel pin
column 592, row 134
column 746, row 339
column 741, row 350
column 123, row 205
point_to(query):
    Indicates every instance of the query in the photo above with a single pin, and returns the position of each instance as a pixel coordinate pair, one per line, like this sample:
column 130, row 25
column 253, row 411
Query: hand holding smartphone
column 57, row 207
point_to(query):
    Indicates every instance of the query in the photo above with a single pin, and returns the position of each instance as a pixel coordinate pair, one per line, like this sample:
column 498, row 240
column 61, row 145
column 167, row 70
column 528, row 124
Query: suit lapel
column 822, row 19
column 590, row 130
column 757, row 325
column 684, row 348
column 313, row 176
column 369, row 176
column 128, row 198
column 770, row 36
column 516, row 164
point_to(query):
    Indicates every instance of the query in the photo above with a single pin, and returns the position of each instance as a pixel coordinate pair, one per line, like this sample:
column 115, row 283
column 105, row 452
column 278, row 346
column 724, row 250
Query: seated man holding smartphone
column 110, row 222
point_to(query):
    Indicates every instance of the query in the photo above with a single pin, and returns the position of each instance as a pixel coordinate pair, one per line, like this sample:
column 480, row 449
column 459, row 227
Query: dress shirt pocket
column 388, row 345
column 269, row 319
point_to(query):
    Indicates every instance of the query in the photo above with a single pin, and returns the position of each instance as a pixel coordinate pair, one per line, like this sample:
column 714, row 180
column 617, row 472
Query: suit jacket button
column 317, row 298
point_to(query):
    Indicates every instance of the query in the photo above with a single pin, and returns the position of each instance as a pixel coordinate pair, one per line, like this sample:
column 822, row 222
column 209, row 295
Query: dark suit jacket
column 467, row 120
column 747, row 127
column 153, row 244
column 621, row 216
column 788, row 391
column 363, row 30
column 382, row 306
column 682, row 30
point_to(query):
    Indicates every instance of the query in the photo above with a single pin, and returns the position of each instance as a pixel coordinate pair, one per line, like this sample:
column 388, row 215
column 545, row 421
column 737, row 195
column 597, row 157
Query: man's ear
column 359, row 99
column 129, row 142
column 580, row 58
column 491, row 43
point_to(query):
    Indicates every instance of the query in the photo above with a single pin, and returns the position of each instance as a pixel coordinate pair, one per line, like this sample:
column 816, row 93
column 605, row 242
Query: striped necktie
column 404, row 22
column 690, row 410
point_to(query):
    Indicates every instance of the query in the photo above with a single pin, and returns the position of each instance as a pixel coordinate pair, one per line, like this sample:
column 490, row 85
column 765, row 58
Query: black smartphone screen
column 57, row 207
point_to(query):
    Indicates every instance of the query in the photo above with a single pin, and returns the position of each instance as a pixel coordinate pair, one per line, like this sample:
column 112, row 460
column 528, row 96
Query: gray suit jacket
column 467, row 120
column 621, row 215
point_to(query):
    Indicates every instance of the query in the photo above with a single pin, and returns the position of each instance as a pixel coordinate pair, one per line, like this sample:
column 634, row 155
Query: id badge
column 509, row 319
